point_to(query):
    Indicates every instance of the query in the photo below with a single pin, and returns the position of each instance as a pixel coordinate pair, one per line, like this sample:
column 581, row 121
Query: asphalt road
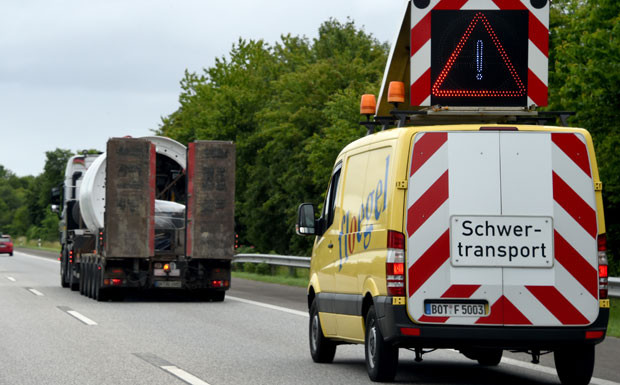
column 258, row 335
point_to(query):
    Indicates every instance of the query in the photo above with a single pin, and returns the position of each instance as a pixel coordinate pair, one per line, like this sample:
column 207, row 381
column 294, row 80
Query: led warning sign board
column 479, row 53
column 479, row 58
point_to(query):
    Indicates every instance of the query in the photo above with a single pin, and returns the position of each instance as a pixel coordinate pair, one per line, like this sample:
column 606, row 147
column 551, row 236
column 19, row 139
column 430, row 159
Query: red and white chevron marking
column 538, row 45
column 566, row 294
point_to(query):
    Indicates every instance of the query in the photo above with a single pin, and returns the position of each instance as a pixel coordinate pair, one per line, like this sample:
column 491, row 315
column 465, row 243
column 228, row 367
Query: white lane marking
column 183, row 375
column 11, row 279
column 82, row 318
column 36, row 292
column 37, row 257
column 268, row 306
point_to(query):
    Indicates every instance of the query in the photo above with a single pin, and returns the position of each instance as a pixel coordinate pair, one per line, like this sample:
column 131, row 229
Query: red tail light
column 395, row 264
column 603, row 274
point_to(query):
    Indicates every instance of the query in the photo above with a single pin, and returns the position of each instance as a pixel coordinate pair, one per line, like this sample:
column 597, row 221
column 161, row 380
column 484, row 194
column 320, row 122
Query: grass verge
column 279, row 279
column 35, row 245
column 613, row 328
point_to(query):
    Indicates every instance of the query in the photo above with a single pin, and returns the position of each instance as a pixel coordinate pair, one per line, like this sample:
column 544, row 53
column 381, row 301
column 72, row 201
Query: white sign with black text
column 501, row 241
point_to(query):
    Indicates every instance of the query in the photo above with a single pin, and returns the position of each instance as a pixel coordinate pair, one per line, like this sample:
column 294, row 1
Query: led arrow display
column 479, row 58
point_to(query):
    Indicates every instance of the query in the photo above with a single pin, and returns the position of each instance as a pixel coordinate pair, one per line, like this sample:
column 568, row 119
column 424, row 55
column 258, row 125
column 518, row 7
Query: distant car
column 6, row 245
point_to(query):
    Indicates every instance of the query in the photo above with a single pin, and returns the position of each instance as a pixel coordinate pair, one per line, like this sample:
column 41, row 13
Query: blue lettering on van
column 353, row 228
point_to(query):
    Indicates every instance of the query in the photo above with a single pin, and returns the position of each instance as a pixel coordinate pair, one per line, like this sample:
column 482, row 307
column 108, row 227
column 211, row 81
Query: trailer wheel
column 381, row 357
column 82, row 278
column 322, row 349
column 64, row 276
column 575, row 364
column 91, row 280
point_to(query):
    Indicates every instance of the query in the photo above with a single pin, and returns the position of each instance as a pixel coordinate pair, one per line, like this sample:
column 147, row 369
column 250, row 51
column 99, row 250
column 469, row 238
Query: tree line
column 291, row 106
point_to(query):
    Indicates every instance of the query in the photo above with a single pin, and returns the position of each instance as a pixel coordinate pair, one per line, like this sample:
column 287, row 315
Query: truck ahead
column 149, row 213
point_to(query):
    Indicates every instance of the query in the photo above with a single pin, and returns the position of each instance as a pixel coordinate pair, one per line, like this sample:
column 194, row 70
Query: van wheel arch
column 311, row 296
column 367, row 302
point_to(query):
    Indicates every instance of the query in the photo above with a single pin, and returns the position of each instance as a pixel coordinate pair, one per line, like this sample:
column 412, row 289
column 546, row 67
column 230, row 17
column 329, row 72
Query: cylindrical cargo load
column 171, row 161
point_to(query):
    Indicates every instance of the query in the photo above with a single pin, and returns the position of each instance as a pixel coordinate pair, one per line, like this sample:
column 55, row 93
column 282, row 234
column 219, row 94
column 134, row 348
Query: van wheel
column 575, row 365
column 381, row 357
column 489, row 357
column 322, row 349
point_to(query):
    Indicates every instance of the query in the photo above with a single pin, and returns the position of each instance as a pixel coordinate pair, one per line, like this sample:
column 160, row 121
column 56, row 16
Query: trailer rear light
column 603, row 274
column 167, row 268
column 593, row 335
column 395, row 264
column 410, row 331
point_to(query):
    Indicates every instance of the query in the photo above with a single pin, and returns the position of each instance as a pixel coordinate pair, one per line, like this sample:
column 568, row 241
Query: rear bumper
column 392, row 318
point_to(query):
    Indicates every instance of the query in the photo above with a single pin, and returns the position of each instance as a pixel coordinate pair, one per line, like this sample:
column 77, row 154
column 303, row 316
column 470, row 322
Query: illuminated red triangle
column 457, row 51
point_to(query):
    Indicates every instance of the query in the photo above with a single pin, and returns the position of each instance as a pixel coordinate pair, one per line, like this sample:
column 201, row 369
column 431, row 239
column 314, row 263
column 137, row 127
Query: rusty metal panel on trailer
column 211, row 200
column 130, row 198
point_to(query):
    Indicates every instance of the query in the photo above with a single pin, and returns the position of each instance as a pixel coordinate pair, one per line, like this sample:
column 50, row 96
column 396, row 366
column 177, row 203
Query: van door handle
column 331, row 245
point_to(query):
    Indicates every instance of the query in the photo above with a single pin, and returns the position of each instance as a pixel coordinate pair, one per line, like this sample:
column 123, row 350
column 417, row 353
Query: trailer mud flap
column 130, row 198
column 211, row 200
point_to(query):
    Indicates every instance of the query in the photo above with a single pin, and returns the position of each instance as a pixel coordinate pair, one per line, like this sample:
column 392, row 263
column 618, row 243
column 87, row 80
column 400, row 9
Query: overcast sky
column 75, row 72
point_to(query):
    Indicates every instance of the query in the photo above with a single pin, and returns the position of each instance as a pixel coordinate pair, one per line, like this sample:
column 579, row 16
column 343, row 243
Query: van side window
column 330, row 201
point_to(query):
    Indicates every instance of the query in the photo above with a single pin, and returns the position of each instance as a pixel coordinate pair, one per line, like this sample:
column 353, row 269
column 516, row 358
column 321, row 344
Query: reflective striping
column 421, row 34
column 429, row 262
column 425, row 148
column 460, row 291
column 536, row 89
column 496, row 316
column 575, row 149
column 574, row 205
column 421, row 88
column 512, row 315
column 576, row 265
column 425, row 318
column 539, row 35
column 555, row 302
column 183, row 375
column 428, row 203
column 572, row 174
column 564, row 294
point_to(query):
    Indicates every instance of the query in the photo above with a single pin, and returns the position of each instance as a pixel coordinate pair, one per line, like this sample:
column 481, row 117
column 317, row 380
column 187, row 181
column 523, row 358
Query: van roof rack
column 439, row 115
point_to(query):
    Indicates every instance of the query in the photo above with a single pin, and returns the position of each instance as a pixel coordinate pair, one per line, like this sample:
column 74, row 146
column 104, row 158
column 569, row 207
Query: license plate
column 162, row 273
column 455, row 309
column 168, row 284
column 501, row 241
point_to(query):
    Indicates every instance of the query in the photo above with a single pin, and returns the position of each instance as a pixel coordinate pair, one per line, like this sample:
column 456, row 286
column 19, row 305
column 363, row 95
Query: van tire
column 575, row 364
column 489, row 357
column 381, row 357
column 322, row 349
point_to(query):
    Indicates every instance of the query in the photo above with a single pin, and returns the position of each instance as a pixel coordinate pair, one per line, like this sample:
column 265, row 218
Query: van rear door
column 501, row 229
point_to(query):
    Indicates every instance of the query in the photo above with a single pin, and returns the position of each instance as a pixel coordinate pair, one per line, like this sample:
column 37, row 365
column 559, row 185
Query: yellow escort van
column 475, row 237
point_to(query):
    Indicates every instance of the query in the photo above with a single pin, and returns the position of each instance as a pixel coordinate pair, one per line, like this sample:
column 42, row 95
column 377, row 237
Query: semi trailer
column 148, row 213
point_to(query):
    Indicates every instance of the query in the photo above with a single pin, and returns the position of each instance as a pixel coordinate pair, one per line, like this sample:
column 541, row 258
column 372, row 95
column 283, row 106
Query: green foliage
column 263, row 269
column 25, row 201
column 584, row 76
column 290, row 108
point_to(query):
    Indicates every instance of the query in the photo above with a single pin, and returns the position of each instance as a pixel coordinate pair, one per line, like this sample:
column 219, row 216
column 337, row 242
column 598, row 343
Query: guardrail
column 295, row 261
column 272, row 259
